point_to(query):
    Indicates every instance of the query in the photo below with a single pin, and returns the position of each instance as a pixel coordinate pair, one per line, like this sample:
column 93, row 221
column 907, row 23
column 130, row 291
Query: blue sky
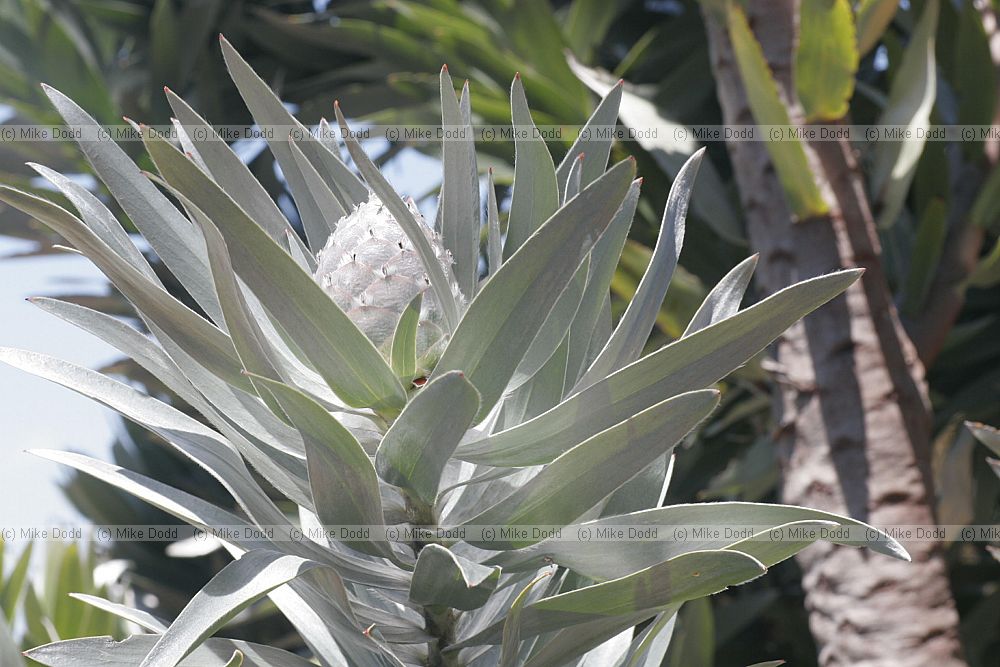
column 36, row 413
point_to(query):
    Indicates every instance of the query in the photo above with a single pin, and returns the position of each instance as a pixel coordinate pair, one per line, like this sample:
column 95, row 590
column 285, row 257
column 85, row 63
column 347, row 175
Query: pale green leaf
column 415, row 449
column 446, row 579
column 343, row 481
column 97, row 216
column 494, row 242
column 458, row 214
column 267, row 109
column 141, row 618
column 594, row 560
column 536, row 192
column 403, row 353
column 584, row 334
column 594, row 141
column 692, row 575
column 636, row 324
column 234, row 588
column 510, row 309
column 201, row 514
column 171, row 237
column 724, row 299
column 583, row 476
column 510, row 643
column 690, row 363
column 208, row 345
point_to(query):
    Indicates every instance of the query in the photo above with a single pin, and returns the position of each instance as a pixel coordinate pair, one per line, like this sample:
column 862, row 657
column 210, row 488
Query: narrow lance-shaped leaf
column 585, row 334
column 459, row 203
column 346, row 359
column 267, row 109
column 404, row 217
column 209, row 346
column 246, row 334
column 693, row 575
column 580, row 478
column 326, row 200
column 507, row 313
column 403, row 353
column 172, row 237
column 911, row 99
column 130, row 652
column 494, row 242
column 511, row 641
column 536, row 192
column 446, row 579
column 201, row 514
column 343, row 481
column 415, row 449
column 724, row 299
column 594, row 141
column 97, row 216
column 593, row 560
column 234, row 588
column 193, row 439
column 636, row 324
column 690, row 363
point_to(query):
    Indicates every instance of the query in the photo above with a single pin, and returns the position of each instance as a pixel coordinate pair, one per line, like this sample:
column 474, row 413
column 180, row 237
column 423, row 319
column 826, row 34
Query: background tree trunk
column 850, row 403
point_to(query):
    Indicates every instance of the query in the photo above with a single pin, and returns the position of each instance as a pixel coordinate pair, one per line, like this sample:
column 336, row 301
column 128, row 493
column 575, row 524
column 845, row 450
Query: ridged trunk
column 850, row 401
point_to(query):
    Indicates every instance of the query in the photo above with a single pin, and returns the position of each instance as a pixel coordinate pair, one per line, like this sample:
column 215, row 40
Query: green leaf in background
column 987, row 271
column 13, row 584
column 927, row 249
column 873, row 17
column 446, row 579
column 10, row 654
column 911, row 99
column 826, row 59
column 788, row 154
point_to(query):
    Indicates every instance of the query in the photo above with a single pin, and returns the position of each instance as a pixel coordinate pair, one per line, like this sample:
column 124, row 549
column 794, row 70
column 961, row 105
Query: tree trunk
column 853, row 420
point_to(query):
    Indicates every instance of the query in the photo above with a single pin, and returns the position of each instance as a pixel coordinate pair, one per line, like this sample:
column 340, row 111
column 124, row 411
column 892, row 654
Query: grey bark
column 850, row 402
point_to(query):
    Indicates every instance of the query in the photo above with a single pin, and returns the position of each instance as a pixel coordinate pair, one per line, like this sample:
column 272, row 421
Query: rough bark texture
column 854, row 427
